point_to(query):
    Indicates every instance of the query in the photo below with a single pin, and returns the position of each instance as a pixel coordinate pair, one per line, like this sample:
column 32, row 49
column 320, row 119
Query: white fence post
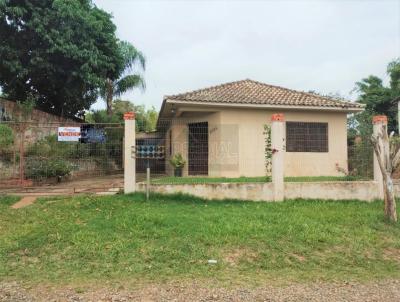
column 129, row 161
column 378, row 122
column 278, row 156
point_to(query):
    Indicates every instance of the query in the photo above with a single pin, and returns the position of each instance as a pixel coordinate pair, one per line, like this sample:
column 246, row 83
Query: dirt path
column 380, row 291
column 101, row 185
column 94, row 184
column 24, row 202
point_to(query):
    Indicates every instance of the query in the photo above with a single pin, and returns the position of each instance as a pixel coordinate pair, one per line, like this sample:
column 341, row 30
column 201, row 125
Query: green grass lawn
column 201, row 180
column 123, row 238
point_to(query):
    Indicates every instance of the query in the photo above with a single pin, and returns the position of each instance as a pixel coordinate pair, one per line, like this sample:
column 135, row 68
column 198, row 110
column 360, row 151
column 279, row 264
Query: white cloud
column 309, row 45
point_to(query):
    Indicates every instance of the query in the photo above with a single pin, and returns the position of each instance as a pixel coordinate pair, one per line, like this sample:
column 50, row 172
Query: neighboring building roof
column 255, row 93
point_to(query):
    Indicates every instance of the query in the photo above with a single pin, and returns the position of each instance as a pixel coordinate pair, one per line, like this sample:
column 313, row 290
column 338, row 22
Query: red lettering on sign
column 69, row 134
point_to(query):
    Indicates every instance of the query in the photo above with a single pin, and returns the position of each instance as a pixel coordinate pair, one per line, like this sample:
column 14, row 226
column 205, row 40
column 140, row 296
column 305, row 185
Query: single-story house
column 220, row 130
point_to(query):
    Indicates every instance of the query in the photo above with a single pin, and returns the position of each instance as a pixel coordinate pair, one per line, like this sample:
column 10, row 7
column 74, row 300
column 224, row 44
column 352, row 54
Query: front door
column 198, row 148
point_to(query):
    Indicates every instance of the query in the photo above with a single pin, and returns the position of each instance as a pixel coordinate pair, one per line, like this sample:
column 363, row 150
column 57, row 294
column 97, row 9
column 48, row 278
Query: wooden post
column 278, row 155
column 129, row 161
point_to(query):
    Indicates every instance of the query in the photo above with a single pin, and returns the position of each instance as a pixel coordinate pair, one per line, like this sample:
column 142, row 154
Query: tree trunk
column 109, row 96
column 390, row 202
column 382, row 150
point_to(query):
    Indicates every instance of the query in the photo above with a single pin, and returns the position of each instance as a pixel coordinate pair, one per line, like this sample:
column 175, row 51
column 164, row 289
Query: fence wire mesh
column 201, row 149
column 34, row 154
column 186, row 150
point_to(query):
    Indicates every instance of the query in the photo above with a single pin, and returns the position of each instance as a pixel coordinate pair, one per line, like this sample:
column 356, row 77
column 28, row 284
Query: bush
column 6, row 143
column 50, row 147
column 37, row 168
column 6, row 137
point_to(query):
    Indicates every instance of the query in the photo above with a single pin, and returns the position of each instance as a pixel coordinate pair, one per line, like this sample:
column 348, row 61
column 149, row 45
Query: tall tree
column 380, row 99
column 60, row 51
column 127, row 78
column 146, row 119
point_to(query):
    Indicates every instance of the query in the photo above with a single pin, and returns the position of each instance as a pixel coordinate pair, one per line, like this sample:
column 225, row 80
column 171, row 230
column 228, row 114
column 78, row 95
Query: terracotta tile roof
column 256, row 93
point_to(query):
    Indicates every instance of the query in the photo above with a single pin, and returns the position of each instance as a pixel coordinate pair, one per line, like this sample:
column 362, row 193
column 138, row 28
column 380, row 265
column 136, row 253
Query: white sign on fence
column 69, row 134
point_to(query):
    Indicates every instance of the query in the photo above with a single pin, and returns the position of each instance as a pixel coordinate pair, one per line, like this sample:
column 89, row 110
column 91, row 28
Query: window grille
column 306, row 137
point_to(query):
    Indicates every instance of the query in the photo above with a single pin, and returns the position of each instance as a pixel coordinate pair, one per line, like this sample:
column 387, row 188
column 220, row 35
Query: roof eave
column 242, row 105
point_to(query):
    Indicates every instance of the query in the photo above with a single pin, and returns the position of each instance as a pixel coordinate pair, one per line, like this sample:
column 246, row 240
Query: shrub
column 6, row 143
column 6, row 137
column 50, row 147
column 177, row 161
column 41, row 167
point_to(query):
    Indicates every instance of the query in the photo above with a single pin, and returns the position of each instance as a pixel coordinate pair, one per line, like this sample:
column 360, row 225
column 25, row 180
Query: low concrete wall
column 243, row 191
column 339, row 190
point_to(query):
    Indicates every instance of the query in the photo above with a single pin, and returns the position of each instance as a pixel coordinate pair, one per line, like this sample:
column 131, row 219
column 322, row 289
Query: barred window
column 306, row 137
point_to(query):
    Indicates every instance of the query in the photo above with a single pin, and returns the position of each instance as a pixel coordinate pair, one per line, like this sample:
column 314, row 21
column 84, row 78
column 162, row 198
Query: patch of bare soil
column 233, row 257
column 24, row 202
column 388, row 290
column 392, row 254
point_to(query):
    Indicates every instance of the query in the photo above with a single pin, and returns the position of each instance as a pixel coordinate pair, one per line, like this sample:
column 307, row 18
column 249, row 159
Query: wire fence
column 34, row 154
column 188, row 150
column 202, row 150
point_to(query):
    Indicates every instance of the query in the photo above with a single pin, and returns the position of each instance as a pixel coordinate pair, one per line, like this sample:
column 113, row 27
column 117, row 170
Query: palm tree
column 126, row 79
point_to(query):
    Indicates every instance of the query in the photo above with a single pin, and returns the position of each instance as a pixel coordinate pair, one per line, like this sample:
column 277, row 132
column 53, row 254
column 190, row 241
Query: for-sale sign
column 69, row 134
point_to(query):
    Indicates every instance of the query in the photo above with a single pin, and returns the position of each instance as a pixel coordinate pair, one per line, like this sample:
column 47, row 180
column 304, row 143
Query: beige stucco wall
column 236, row 142
column 251, row 146
column 180, row 140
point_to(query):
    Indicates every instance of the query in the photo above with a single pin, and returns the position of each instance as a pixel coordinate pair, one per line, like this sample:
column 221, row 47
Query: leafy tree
column 60, row 51
column 146, row 119
column 125, row 79
column 380, row 99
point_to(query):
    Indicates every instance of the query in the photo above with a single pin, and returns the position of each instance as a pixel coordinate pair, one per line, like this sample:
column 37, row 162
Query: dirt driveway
column 196, row 291
column 92, row 184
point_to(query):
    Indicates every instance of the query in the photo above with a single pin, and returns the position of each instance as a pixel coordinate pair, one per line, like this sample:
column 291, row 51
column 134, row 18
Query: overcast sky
column 318, row 45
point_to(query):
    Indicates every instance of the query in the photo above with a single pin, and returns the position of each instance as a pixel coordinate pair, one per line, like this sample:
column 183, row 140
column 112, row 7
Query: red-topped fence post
column 278, row 155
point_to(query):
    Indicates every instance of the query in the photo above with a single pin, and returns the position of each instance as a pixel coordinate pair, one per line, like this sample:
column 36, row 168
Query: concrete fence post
column 379, row 123
column 278, row 155
column 129, row 161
